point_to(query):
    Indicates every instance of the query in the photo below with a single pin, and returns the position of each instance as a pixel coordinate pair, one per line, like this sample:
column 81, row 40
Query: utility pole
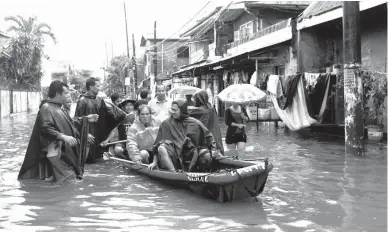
column 111, row 43
column 106, row 53
column 134, row 65
column 126, row 33
column 353, row 87
column 155, row 53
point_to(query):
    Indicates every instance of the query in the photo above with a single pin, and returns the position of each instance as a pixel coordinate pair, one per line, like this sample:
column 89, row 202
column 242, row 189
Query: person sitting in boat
column 127, row 105
column 183, row 142
column 141, row 136
column 205, row 112
column 119, row 133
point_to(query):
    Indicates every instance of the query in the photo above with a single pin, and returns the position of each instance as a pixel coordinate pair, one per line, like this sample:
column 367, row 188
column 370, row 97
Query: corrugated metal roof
column 199, row 22
column 318, row 8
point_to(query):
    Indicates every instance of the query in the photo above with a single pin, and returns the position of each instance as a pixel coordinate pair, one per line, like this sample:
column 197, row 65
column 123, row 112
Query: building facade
column 171, row 54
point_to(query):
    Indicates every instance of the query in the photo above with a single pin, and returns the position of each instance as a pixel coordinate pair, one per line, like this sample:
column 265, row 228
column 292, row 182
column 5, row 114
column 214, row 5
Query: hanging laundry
column 263, row 83
column 225, row 76
column 311, row 79
column 235, row 78
column 318, row 96
column 254, row 80
column 296, row 114
column 245, row 77
column 289, row 86
column 272, row 84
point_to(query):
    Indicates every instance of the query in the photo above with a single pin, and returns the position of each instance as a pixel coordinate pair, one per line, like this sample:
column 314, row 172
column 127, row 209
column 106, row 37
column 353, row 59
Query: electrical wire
column 152, row 46
column 203, row 31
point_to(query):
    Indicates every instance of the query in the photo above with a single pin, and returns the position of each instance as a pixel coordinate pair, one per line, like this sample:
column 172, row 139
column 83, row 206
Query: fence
column 18, row 101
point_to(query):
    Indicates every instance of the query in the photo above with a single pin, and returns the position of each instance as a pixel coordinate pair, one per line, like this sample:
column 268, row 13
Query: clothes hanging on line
column 254, row 79
column 298, row 112
column 225, row 76
column 311, row 79
column 245, row 77
column 317, row 97
column 272, row 84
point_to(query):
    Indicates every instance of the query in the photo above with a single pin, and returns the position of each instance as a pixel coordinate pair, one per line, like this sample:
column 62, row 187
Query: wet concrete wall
column 321, row 46
column 18, row 101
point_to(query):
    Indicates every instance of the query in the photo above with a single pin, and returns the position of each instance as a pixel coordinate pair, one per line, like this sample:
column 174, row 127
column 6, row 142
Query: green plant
column 26, row 50
column 374, row 93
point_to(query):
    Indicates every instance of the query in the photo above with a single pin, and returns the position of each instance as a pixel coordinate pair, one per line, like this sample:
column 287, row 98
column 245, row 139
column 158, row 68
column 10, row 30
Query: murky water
column 313, row 187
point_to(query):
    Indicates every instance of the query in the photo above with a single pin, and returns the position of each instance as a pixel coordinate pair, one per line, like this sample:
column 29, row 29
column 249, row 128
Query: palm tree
column 26, row 49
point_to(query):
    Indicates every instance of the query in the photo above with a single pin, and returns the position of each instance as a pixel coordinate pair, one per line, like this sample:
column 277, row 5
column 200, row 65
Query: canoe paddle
column 234, row 157
column 116, row 142
column 109, row 156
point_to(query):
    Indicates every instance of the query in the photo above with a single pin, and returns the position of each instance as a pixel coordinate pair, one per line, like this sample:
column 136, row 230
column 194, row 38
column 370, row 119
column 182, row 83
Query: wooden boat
column 229, row 180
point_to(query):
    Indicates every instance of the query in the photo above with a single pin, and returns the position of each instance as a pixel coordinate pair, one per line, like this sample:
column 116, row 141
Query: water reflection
column 313, row 187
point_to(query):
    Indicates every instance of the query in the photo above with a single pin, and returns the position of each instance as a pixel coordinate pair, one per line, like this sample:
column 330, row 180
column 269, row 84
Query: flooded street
column 313, row 187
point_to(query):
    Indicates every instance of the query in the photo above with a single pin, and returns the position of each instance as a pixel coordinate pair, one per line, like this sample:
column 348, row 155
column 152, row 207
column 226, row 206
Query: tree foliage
column 79, row 77
column 26, row 50
column 119, row 68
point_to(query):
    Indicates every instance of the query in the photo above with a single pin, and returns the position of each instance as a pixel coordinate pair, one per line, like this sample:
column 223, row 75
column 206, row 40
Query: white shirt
column 160, row 110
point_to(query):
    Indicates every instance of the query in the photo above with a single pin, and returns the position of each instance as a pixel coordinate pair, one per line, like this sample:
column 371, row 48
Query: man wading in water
column 109, row 117
column 54, row 137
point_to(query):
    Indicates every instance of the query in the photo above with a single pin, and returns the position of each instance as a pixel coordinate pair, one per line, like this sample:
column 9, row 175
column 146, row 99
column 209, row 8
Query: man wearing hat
column 119, row 132
column 128, row 105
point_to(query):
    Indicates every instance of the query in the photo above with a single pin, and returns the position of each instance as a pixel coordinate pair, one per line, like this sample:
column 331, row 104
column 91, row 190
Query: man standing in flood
column 161, row 105
column 53, row 137
column 109, row 117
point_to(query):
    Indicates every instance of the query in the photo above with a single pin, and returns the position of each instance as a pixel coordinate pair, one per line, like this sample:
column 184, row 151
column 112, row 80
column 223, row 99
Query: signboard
column 127, row 81
column 349, row 78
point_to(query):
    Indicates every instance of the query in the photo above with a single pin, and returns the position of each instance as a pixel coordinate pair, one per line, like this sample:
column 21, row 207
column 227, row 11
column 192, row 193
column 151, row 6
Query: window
column 183, row 52
column 280, row 70
column 246, row 30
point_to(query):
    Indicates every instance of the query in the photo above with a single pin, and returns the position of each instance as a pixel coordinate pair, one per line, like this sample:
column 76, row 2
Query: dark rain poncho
column 51, row 121
column 206, row 113
column 184, row 134
column 109, row 117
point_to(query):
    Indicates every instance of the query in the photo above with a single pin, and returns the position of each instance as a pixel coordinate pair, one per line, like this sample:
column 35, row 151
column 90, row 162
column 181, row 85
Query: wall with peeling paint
column 321, row 46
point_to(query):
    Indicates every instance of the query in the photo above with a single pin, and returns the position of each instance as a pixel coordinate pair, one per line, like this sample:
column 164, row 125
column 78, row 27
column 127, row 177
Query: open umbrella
column 183, row 90
column 241, row 94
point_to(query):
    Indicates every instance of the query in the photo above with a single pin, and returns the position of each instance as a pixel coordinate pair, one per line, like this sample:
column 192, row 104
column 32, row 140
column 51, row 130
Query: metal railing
column 265, row 31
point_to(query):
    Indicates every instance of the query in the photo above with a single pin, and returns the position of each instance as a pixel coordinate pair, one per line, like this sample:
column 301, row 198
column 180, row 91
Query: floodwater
column 313, row 187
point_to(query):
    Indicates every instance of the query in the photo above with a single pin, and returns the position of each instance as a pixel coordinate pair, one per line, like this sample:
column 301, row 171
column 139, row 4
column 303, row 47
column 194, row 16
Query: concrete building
column 171, row 54
column 320, row 43
column 243, row 38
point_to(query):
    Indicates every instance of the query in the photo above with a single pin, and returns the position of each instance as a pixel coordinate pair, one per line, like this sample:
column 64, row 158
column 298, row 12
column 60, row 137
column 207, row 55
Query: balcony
column 274, row 34
column 198, row 55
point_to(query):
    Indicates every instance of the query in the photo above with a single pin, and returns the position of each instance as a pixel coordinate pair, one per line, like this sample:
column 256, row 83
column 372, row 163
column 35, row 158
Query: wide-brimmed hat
column 125, row 101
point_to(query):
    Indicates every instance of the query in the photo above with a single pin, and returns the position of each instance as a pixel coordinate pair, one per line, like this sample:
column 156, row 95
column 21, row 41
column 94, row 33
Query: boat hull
column 231, row 179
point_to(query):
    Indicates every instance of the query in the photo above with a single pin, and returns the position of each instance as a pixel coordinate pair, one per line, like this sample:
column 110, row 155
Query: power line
column 206, row 28
column 182, row 26
column 198, row 34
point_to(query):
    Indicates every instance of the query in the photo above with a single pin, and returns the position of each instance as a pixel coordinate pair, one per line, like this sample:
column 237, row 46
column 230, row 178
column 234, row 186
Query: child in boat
column 119, row 133
column 183, row 142
column 141, row 136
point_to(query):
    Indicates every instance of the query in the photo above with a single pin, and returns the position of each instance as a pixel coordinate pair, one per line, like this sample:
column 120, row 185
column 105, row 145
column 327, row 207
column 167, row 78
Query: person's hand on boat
column 90, row 139
column 92, row 117
column 152, row 166
column 69, row 140
column 104, row 143
column 217, row 154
